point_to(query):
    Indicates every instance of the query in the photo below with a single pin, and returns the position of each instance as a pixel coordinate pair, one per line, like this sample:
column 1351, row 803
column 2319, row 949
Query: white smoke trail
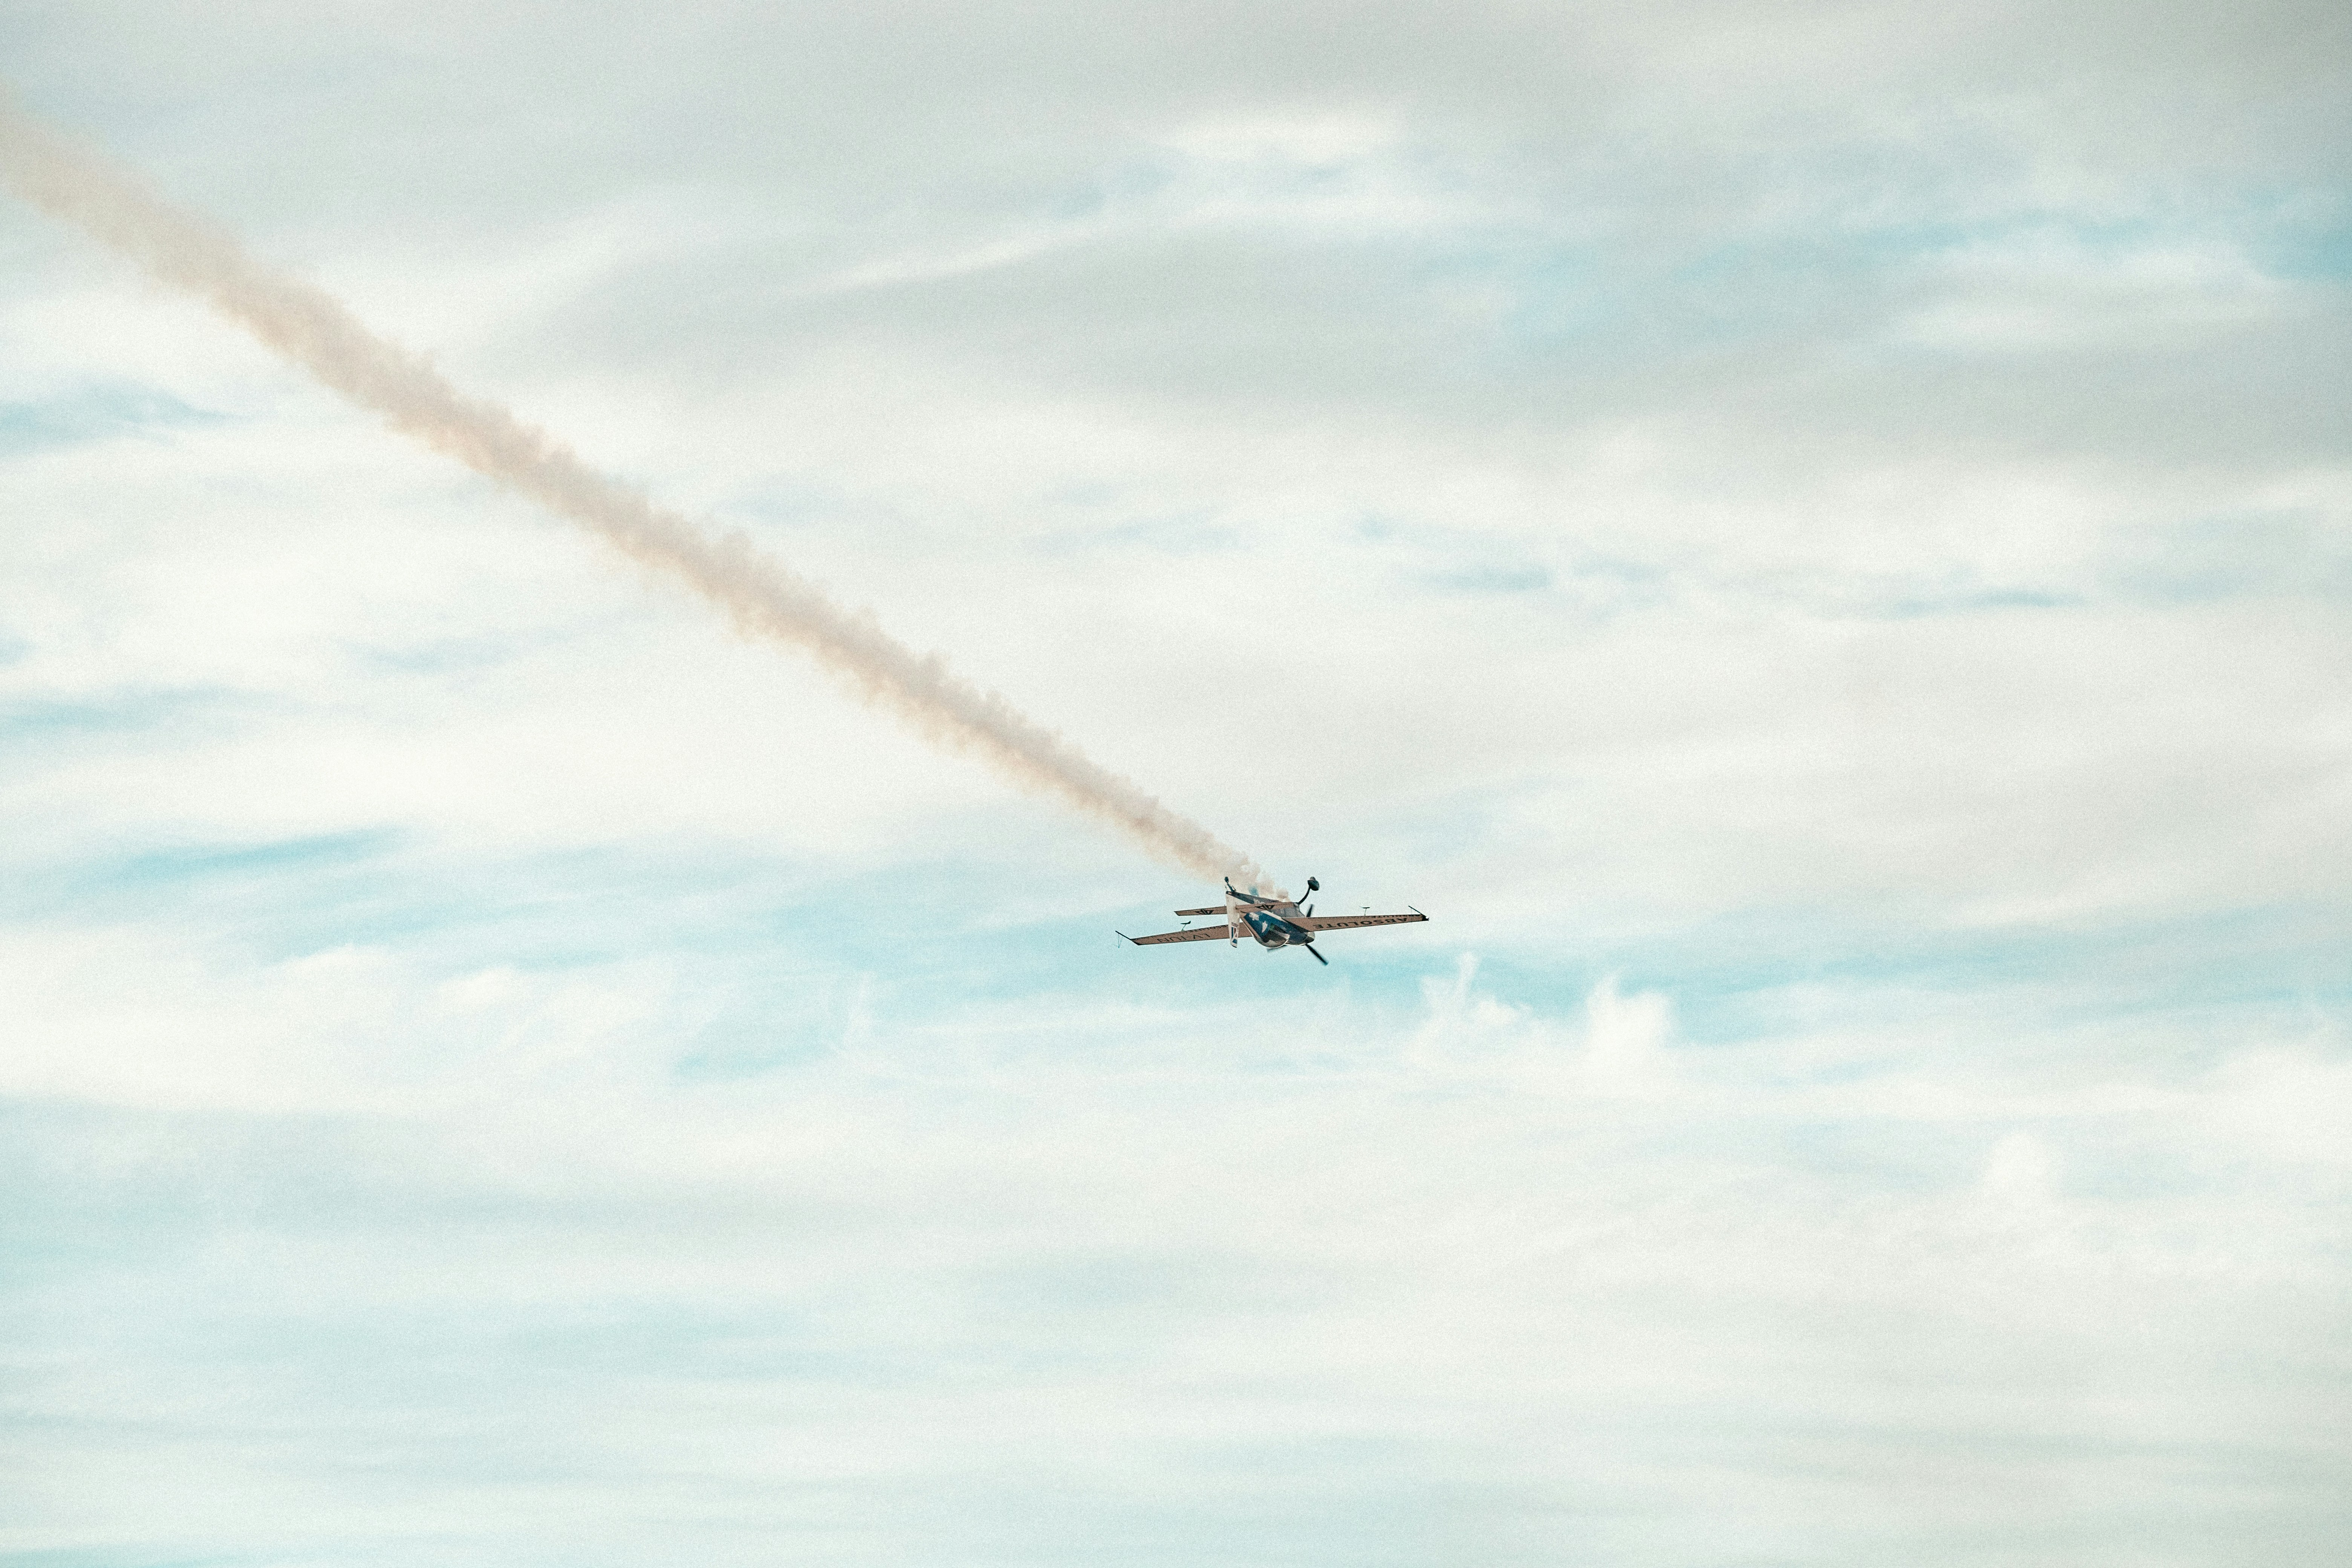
column 763, row 598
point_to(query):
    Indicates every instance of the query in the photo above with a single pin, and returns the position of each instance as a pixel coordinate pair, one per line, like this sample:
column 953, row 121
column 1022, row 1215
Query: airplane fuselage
column 1272, row 931
column 1263, row 919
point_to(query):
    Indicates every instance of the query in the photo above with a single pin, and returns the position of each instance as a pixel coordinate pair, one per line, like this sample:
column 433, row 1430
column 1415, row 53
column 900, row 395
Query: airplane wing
column 1218, row 910
column 1206, row 933
column 1349, row 922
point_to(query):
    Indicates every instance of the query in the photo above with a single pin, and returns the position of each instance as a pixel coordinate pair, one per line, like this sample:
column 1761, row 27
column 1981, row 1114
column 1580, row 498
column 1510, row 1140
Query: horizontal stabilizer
column 1204, row 934
column 1218, row 910
column 1349, row 922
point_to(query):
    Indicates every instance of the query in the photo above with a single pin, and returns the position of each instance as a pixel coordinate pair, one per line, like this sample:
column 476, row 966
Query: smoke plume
column 762, row 597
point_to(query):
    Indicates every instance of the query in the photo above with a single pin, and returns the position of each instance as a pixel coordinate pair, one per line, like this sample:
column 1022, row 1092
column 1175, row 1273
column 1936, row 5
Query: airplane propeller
column 1317, row 956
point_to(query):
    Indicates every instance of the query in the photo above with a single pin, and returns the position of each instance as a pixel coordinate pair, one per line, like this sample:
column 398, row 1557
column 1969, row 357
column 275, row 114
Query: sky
column 1815, row 541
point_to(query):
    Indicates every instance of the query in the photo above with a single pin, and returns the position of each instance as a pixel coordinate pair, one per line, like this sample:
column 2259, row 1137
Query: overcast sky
column 1816, row 541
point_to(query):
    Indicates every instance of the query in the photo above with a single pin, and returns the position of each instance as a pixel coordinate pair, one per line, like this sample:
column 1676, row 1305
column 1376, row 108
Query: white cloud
column 1420, row 1237
column 1812, row 544
column 2040, row 291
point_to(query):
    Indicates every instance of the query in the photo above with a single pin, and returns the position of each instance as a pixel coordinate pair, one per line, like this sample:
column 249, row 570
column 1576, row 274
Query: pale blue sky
column 1815, row 541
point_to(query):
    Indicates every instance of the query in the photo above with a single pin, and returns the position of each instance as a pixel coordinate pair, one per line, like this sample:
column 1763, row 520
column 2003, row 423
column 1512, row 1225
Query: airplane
column 1272, row 923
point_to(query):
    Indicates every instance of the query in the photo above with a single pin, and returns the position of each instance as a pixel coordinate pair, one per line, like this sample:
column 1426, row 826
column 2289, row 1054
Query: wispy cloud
column 1361, row 1258
column 1814, row 547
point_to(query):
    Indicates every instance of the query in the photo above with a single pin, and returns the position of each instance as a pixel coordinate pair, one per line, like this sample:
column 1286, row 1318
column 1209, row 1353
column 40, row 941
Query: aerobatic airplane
column 1272, row 923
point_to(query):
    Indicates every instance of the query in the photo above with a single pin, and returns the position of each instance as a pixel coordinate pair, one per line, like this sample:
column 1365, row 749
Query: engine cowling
column 1272, row 931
